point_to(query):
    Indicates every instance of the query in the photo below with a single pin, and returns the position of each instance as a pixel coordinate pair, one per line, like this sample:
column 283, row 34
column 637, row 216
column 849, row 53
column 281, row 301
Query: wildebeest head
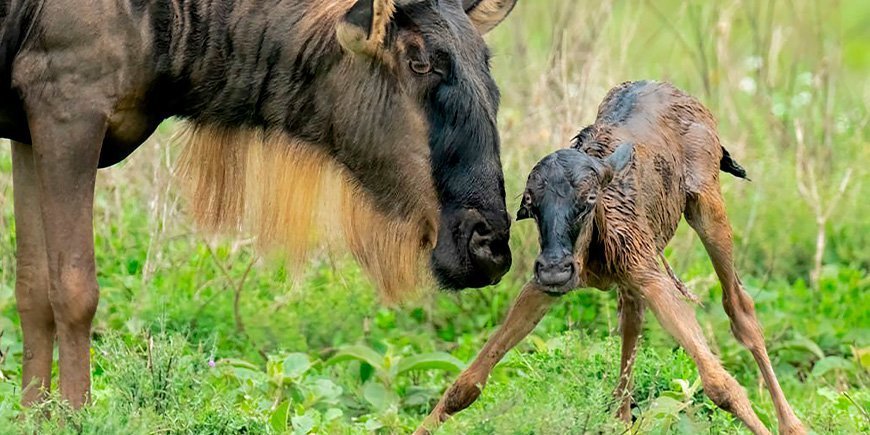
column 561, row 195
column 436, row 83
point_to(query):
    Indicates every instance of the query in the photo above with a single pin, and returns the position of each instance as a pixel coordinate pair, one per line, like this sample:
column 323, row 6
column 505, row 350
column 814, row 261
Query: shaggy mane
column 293, row 197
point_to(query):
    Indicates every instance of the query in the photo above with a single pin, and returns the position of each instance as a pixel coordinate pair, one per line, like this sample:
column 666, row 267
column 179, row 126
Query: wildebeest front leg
column 523, row 316
column 631, row 310
column 66, row 152
column 31, row 278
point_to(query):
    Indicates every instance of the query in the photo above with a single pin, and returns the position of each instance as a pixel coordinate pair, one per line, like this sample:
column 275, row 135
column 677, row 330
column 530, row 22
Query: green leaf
column 303, row 424
column 830, row 363
column 238, row 363
column 296, row 364
column 278, row 420
column 802, row 343
column 378, row 396
column 666, row 406
column 332, row 414
column 430, row 361
column 325, row 390
column 359, row 353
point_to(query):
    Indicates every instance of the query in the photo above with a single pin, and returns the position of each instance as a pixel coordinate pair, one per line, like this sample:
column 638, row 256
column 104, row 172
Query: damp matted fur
column 293, row 197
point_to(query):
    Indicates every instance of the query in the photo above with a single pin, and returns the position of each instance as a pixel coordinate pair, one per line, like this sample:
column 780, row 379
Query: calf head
column 561, row 195
column 434, row 82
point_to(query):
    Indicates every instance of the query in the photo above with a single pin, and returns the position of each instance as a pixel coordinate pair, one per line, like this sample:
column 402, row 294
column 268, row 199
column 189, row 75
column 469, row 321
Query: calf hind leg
column 678, row 318
column 630, row 323
column 706, row 214
column 31, row 281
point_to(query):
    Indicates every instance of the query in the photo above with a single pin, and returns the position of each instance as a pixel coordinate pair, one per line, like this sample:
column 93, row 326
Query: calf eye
column 420, row 67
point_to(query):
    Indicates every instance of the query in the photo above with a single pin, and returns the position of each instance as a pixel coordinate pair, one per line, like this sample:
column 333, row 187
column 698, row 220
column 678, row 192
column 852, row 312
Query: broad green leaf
column 296, row 364
column 378, row 396
column 325, row 390
column 332, row 414
column 373, row 425
column 430, row 361
column 666, row 406
column 278, row 420
column 802, row 343
column 303, row 424
column 359, row 353
column 830, row 363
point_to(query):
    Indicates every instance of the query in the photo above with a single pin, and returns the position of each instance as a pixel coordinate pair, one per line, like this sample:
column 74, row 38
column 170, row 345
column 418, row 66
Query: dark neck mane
column 244, row 63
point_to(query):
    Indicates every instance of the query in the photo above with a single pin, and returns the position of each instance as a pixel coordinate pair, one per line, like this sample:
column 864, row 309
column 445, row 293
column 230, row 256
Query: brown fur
column 289, row 195
column 674, row 171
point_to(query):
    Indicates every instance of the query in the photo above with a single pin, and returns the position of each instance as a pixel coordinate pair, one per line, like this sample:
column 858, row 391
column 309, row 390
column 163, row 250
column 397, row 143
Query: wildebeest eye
column 420, row 67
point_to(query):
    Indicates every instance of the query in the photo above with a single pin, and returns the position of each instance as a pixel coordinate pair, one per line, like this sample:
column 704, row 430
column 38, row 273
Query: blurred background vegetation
column 201, row 335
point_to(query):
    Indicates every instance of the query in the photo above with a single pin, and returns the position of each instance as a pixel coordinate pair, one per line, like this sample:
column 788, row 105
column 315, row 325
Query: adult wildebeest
column 605, row 209
column 386, row 106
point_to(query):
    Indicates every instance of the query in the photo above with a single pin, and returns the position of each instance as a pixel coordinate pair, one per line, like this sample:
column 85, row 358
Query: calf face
column 561, row 195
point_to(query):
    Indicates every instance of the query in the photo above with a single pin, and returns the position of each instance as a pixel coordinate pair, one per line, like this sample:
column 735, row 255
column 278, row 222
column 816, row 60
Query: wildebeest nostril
column 489, row 252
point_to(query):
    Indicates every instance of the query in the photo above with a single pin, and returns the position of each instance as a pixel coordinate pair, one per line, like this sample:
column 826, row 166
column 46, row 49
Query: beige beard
column 293, row 198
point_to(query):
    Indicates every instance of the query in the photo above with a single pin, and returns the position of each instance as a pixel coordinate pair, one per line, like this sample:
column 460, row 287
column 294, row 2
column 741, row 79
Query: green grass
column 173, row 302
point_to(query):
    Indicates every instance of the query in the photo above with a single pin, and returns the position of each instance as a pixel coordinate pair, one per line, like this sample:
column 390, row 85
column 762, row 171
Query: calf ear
column 365, row 26
column 486, row 14
column 621, row 158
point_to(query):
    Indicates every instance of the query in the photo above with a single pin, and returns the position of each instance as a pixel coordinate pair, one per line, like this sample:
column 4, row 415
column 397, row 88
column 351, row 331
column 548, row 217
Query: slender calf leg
column 630, row 324
column 523, row 316
column 678, row 318
column 706, row 214
column 31, row 281
column 66, row 150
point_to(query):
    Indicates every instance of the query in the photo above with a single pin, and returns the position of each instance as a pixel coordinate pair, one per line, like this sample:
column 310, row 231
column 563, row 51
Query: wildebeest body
column 385, row 107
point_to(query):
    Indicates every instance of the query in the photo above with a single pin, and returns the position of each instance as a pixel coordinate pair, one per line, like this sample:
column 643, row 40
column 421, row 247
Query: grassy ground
column 201, row 335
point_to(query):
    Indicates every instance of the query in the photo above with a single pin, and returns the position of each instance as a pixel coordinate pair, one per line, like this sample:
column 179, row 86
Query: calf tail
column 729, row 165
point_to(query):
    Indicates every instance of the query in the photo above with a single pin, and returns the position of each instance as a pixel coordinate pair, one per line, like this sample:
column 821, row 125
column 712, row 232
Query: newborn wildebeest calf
column 605, row 209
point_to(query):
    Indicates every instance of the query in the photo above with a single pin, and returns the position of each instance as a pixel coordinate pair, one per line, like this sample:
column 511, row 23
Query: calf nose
column 556, row 272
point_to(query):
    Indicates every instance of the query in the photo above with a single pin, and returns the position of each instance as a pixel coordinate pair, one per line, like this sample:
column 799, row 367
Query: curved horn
column 364, row 27
column 486, row 14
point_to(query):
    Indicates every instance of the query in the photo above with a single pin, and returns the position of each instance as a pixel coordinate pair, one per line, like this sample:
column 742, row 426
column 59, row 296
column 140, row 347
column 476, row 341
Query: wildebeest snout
column 489, row 250
column 472, row 250
column 556, row 272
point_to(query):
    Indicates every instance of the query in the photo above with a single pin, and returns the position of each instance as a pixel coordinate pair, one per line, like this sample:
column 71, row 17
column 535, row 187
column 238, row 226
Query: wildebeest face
column 561, row 194
column 437, row 56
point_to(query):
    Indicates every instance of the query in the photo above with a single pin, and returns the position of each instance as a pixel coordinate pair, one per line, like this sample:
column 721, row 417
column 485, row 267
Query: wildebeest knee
column 723, row 390
column 74, row 297
column 461, row 395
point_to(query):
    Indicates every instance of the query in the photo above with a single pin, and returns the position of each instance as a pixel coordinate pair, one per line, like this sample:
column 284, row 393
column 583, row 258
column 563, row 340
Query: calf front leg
column 678, row 318
column 31, row 279
column 67, row 149
column 523, row 316
column 631, row 309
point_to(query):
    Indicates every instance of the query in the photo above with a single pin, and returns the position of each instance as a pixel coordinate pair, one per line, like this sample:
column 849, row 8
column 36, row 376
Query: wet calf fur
column 605, row 209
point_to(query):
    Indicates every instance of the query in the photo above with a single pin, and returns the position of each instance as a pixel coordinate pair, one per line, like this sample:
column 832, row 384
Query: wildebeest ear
column 486, row 14
column 365, row 26
column 617, row 162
